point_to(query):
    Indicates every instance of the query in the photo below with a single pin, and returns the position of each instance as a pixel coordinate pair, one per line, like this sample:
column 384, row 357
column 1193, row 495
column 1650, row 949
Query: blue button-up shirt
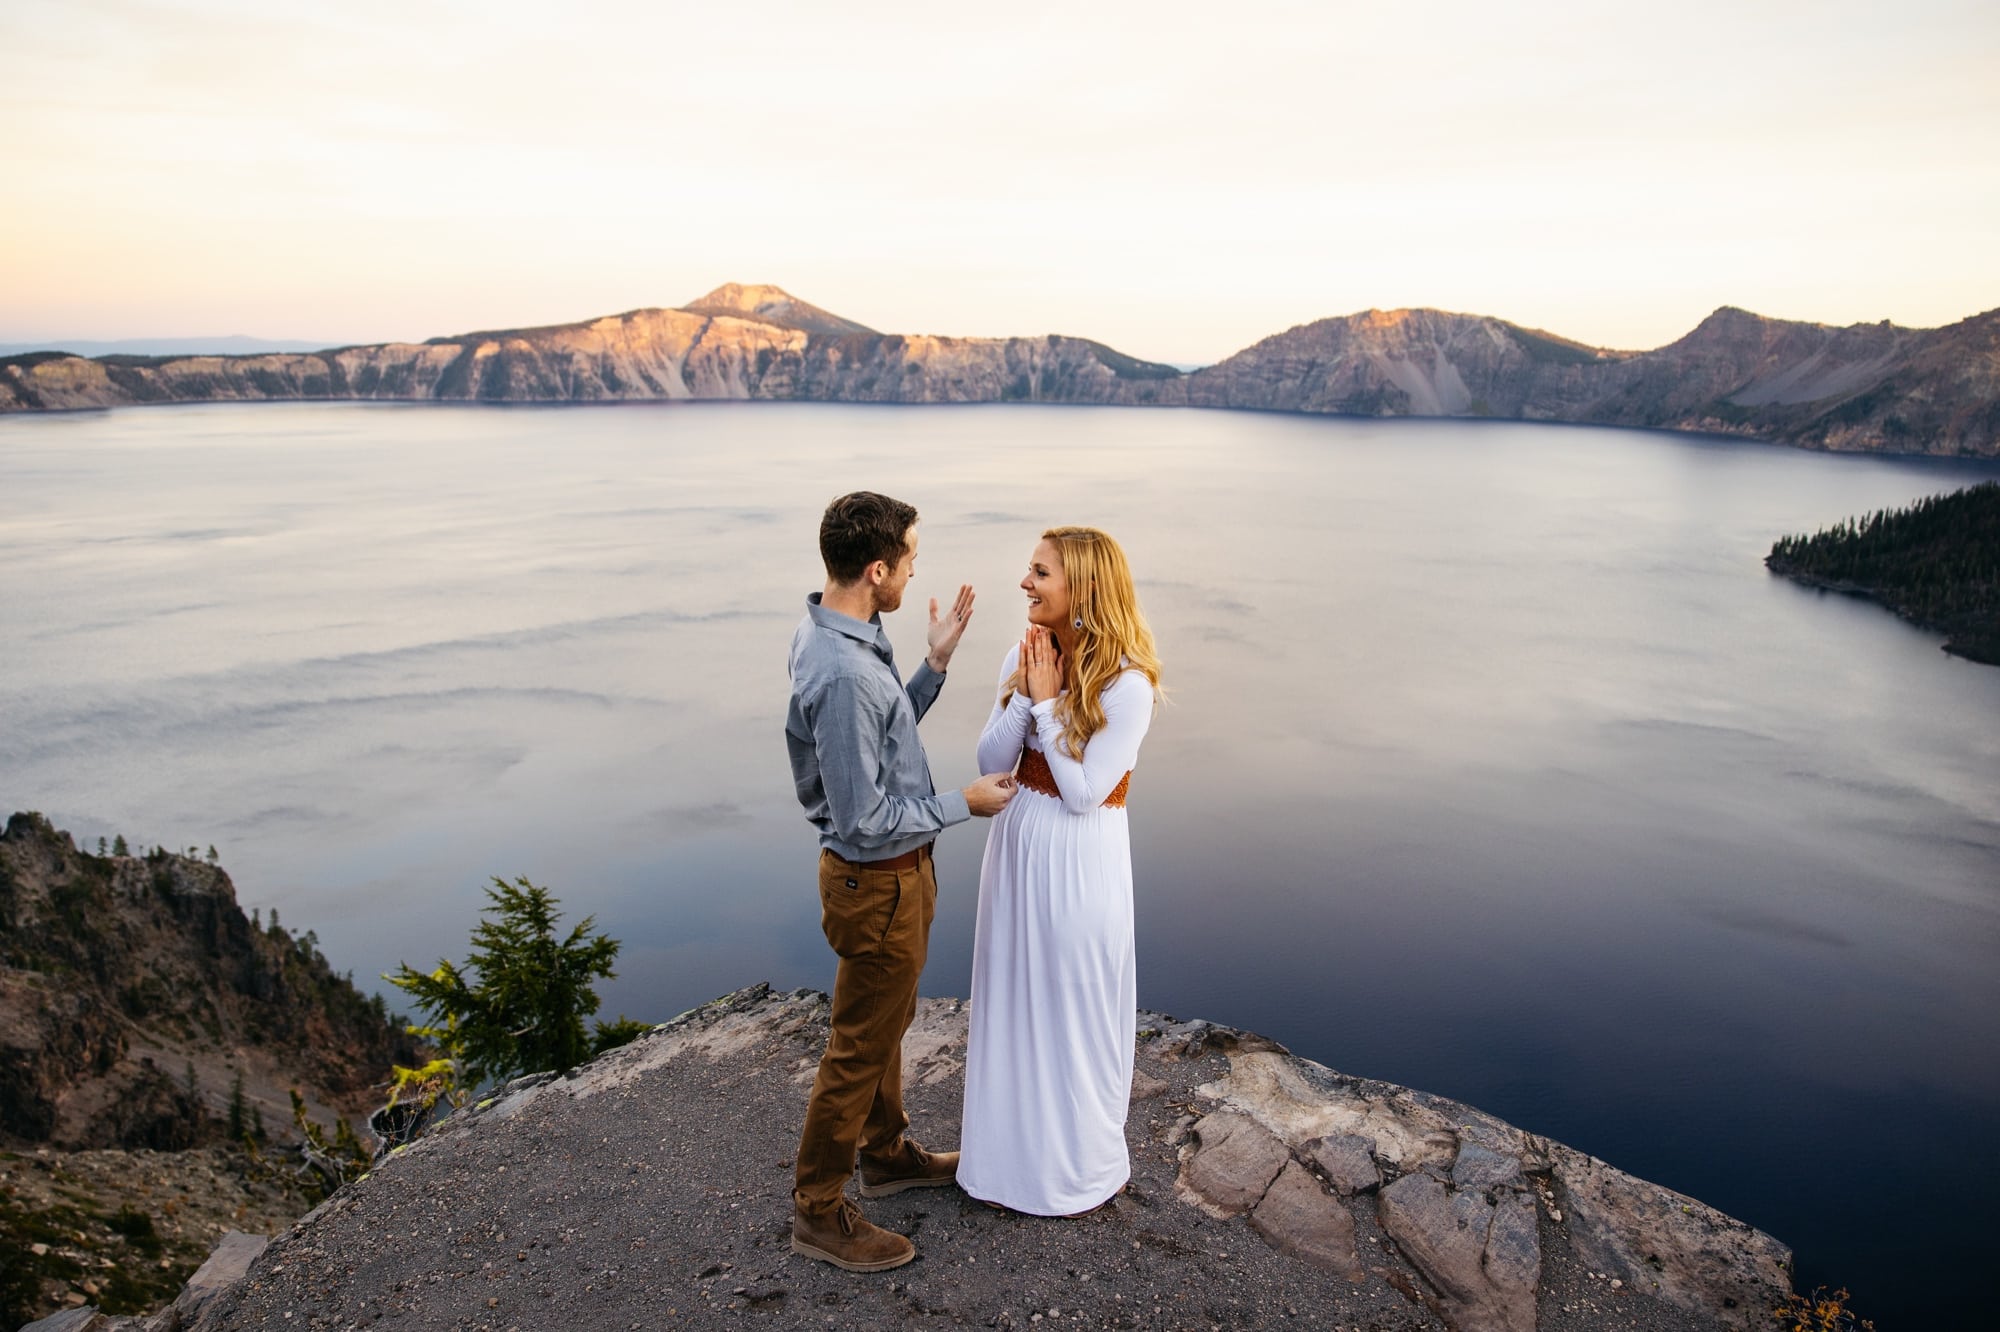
column 851, row 732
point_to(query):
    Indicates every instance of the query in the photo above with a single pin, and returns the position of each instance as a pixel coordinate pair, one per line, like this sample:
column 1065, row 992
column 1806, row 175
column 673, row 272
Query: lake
column 1495, row 762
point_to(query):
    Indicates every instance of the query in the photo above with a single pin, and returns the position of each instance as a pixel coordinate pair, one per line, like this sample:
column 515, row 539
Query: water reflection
column 1496, row 764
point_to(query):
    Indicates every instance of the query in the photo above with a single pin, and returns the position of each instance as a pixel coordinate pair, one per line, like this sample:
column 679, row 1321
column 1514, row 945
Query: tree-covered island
column 1935, row 563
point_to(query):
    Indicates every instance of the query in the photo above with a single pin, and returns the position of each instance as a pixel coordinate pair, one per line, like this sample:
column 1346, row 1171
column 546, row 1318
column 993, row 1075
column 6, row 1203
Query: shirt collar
column 867, row 631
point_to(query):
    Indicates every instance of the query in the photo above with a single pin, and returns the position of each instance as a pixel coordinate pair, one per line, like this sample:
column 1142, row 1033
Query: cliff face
column 1870, row 387
column 1942, row 398
column 133, row 992
column 1867, row 388
column 1406, row 363
column 736, row 342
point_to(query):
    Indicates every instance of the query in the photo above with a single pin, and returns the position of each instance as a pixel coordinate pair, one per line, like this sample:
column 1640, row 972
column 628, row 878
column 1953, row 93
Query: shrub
column 1819, row 1312
column 332, row 1163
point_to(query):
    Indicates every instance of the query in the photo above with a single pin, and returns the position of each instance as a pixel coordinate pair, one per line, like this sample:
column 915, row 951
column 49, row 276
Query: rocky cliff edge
column 651, row 1189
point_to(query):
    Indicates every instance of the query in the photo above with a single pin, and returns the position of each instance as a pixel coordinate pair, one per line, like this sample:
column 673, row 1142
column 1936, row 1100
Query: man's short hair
column 861, row 528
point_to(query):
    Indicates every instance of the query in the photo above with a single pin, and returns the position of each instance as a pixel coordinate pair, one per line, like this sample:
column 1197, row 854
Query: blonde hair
column 1114, row 636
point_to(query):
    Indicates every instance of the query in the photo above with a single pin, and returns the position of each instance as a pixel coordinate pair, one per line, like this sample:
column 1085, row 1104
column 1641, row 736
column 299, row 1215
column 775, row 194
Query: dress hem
column 1066, row 1212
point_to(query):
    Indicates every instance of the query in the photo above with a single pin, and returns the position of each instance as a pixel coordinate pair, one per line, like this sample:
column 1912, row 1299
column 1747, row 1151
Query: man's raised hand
column 944, row 633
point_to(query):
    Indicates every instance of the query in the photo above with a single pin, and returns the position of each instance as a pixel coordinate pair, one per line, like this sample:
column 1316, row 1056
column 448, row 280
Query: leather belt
column 907, row 861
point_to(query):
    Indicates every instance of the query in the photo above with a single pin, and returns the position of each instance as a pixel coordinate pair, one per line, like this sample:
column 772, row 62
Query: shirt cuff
column 952, row 806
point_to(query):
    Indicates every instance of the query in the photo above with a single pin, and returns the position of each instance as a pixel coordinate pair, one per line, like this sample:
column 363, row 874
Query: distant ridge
column 1863, row 388
column 232, row 344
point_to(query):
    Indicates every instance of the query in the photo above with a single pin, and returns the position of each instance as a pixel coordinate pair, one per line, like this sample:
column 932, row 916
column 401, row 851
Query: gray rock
column 1658, row 1242
column 1145, row 1086
column 1347, row 1161
column 1485, row 1261
column 228, row 1263
column 1299, row 1217
column 1668, row 1244
column 1234, row 1162
column 1299, row 1101
column 1478, row 1167
column 1514, row 1248
column 83, row 1319
column 89, row 1318
column 1172, row 1040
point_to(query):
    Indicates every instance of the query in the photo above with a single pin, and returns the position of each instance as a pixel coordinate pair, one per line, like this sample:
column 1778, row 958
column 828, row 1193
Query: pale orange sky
column 1177, row 180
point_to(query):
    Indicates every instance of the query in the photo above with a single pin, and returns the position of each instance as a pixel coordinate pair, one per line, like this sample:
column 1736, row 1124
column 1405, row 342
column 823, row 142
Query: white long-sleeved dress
column 1048, row 1066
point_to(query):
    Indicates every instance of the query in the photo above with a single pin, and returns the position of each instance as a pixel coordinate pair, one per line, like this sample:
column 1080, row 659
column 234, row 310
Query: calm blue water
column 1496, row 763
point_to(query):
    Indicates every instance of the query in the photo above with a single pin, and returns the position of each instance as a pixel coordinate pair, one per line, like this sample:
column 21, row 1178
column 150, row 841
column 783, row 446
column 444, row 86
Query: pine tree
column 519, row 1002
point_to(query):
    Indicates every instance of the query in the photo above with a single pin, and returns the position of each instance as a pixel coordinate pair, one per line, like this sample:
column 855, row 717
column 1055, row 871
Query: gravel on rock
column 652, row 1189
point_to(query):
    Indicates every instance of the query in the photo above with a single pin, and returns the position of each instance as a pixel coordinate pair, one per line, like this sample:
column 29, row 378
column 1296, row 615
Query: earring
column 1077, row 623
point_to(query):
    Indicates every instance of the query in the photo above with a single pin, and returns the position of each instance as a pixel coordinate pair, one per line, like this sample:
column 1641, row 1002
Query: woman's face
column 1047, row 589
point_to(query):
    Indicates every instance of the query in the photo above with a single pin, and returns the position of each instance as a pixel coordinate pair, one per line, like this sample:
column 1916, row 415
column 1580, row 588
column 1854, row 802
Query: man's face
column 889, row 592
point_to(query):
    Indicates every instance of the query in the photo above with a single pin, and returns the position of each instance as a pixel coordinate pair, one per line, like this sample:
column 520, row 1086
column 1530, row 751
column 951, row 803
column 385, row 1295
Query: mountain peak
column 747, row 297
column 772, row 305
column 1736, row 314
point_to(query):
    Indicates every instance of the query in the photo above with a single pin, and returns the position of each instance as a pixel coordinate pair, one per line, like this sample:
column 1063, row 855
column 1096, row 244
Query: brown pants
column 879, row 922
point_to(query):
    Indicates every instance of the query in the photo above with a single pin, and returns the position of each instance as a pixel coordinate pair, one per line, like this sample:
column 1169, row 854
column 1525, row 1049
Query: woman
column 1048, row 1072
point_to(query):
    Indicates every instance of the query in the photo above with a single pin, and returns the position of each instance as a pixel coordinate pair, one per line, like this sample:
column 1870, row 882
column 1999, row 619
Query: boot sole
column 801, row 1247
column 898, row 1185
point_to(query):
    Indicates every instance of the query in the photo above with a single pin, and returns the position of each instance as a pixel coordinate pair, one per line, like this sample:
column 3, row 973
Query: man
column 860, row 771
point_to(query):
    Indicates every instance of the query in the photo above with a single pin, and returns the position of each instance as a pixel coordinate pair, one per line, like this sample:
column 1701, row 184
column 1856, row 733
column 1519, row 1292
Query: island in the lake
column 1865, row 388
column 1935, row 563
column 141, row 1013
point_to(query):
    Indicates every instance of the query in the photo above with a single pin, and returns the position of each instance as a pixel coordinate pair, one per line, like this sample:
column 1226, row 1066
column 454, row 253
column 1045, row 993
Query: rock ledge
column 651, row 1188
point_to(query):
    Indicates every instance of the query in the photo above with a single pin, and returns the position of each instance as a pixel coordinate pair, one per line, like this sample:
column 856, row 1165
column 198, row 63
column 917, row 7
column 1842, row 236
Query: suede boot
column 912, row 1168
column 848, row 1239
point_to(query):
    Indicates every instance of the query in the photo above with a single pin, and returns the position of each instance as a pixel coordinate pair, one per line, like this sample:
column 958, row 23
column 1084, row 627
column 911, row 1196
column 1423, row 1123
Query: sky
column 1177, row 180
